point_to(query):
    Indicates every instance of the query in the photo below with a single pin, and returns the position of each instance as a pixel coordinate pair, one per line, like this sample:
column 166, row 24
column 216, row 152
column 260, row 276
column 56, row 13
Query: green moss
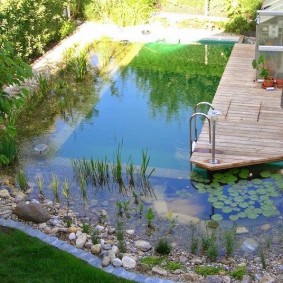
column 208, row 270
column 172, row 265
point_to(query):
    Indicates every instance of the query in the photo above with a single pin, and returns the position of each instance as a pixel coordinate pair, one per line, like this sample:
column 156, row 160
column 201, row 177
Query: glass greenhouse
column 269, row 34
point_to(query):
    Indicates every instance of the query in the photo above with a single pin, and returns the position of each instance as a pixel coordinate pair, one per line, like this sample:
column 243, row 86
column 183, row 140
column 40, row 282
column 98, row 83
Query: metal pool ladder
column 193, row 139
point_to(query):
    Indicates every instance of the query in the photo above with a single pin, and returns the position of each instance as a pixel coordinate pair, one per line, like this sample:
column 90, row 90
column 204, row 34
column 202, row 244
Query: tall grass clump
column 209, row 245
column 117, row 169
column 83, row 191
column 39, row 181
column 55, row 187
column 121, row 236
column 194, row 239
column 66, row 192
column 22, row 181
column 229, row 239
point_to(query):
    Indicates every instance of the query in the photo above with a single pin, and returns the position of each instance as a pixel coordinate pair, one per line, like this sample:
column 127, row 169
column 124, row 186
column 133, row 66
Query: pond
column 141, row 118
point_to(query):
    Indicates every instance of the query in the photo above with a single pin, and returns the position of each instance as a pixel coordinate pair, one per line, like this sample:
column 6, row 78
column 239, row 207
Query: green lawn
column 27, row 259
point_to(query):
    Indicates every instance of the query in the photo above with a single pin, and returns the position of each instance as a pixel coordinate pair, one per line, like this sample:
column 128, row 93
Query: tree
column 13, row 71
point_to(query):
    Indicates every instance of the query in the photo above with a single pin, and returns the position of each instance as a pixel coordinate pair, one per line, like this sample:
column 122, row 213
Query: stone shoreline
column 64, row 230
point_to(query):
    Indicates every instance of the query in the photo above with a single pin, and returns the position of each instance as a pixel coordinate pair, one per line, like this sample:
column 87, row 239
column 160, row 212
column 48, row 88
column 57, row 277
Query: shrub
column 67, row 28
column 230, row 241
column 121, row 12
column 31, row 24
column 163, row 247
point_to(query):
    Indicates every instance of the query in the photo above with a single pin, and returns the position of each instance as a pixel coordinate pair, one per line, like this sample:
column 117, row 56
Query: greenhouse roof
column 273, row 5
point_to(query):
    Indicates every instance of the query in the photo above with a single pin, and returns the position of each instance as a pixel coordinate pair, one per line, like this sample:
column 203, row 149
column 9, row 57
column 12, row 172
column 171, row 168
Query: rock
column 226, row 279
column 142, row 267
column 106, row 247
column 4, row 194
column 249, row 245
column 96, row 249
column 241, row 230
column 55, row 230
column 213, row 279
column 196, row 261
column 73, row 229
column 20, row 197
column 111, row 230
column 183, row 259
column 105, row 203
column 116, row 262
column 178, row 272
column 47, row 230
column 247, row 279
column 115, row 250
column 159, row 271
column 32, row 212
column 191, row 277
column 63, row 229
column 143, row 245
column 88, row 245
column 80, row 241
column 55, row 221
column 42, row 225
column 111, row 255
column 40, row 148
column 72, row 236
column 265, row 227
column 78, row 233
column 267, row 279
column 105, row 261
column 130, row 232
column 98, row 228
column 128, row 262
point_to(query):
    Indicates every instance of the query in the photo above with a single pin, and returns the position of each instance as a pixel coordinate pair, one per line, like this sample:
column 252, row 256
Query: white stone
column 106, row 261
column 116, row 262
column 78, row 233
column 242, row 230
column 4, row 193
column 143, row 245
column 115, row 249
column 99, row 228
column 159, row 271
column 267, row 279
column 20, row 196
column 265, row 227
column 72, row 236
column 249, row 245
column 128, row 262
column 47, row 230
column 42, row 225
column 80, row 241
column 130, row 232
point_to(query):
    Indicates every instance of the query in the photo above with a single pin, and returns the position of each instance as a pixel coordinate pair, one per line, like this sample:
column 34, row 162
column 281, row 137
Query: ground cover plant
column 27, row 259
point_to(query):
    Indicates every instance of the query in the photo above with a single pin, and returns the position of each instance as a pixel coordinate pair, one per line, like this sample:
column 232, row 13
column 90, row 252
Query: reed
column 39, row 182
column 22, row 181
column 55, row 187
column 83, row 191
column 66, row 192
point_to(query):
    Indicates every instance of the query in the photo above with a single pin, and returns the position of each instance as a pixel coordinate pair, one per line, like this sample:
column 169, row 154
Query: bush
column 67, row 28
column 121, row 12
column 242, row 15
column 31, row 24
column 163, row 247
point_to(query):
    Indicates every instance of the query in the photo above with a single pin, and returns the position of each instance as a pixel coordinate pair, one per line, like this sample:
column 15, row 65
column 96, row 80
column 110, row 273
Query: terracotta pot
column 269, row 82
column 279, row 83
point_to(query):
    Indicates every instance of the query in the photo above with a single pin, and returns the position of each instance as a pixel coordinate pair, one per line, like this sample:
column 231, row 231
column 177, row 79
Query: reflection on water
column 148, row 107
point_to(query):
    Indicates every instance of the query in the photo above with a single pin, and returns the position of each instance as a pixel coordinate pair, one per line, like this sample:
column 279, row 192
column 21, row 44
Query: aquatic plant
column 163, row 247
column 209, row 245
column 172, row 220
column 22, row 181
column 120, row 236
column 83, row 191
column 117, row 169
column 241, row 198
column 55, row 187
column 39, row 181
column 130, row 170
column 66, row 192
column 262, row 258
column 86, row 228
column 149, row 217
column 194, row 237
column 141, row 209
column 229, row 239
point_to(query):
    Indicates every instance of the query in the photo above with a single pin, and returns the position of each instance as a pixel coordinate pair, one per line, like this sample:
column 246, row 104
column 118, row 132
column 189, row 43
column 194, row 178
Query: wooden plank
column 249, row 130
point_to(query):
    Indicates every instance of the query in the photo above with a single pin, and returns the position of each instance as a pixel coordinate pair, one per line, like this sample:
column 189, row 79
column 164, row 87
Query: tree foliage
column 13, row 71
column 242, row 14
column 31, row 24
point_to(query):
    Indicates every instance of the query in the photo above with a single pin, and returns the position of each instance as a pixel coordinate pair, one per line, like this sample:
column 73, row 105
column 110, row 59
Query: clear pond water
column 147, row 106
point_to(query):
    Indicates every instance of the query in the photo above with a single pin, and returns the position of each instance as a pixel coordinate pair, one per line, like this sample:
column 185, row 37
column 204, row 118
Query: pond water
column 146, row 108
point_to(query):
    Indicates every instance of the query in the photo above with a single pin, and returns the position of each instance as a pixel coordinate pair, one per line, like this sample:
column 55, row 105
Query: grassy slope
column 26, row 259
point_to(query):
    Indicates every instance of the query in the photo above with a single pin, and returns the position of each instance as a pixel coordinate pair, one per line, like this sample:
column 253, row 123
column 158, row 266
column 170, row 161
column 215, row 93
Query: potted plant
column 279, row 81
column 258, row 64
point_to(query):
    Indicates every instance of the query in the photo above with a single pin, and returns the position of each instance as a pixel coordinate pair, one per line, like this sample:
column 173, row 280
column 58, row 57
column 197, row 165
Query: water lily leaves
column 217, row 217
column 257, row 181
column 243, row 204
column 227, row 209
column 242, row 214
column 218, row 204
column 265, row 174
column 233, row 217
column 244, row 173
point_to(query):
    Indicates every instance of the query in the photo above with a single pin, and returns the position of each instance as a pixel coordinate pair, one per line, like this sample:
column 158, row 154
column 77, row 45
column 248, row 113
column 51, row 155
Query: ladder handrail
column 195, row 111
column 209, row 125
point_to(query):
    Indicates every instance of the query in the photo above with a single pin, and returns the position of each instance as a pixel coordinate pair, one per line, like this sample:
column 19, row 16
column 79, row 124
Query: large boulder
column 34, row 212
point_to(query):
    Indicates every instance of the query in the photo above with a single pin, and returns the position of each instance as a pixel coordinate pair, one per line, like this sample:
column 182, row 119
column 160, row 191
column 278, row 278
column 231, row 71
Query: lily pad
column 265, row 174
column 233, row 217
column 217, row 217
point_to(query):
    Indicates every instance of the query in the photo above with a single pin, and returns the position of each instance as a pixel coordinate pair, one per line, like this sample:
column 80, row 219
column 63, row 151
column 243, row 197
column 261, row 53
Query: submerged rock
column 40, row 148
column 249, row 245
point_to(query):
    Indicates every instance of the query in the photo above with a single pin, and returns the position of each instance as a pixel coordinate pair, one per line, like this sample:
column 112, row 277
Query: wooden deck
column 250, row 129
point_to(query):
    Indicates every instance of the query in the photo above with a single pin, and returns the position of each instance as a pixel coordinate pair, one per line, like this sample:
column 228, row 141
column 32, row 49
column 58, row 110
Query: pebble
column 159, row 271
column 72, row 236
column 116, row 262
column 241, row 230
column 96, row 249
column 105, row 261
column 47, row 230
column 143, row 245
column 128, row 262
